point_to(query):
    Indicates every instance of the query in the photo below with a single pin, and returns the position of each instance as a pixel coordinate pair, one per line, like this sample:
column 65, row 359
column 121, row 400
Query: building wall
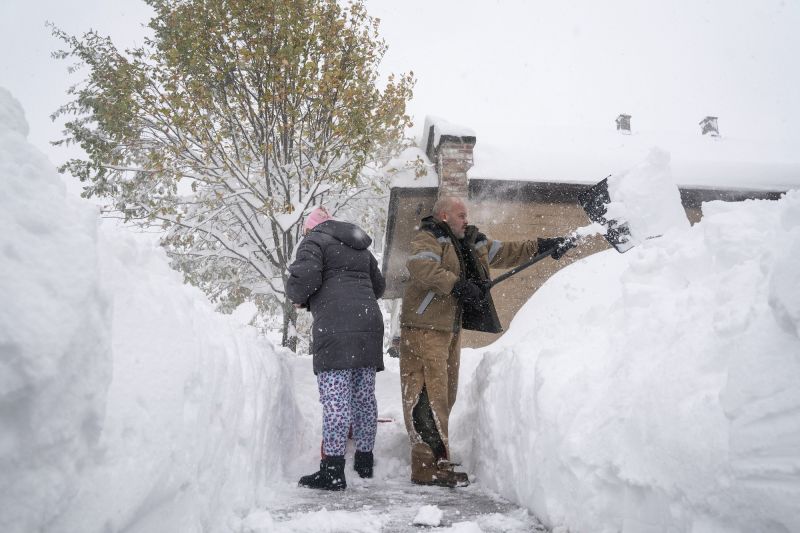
column 406, row 208
column 512, row 220
column 510, row 211
column 520, row 219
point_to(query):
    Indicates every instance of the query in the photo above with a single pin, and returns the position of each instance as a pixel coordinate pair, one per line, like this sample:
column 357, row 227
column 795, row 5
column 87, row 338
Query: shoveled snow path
column 389, row 502
column 391, row 505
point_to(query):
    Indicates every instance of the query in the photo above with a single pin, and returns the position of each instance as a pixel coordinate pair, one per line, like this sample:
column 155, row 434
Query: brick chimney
column 450, row 148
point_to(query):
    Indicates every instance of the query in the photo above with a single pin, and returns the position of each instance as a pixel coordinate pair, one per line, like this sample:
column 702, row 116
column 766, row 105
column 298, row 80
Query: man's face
column 456, row 218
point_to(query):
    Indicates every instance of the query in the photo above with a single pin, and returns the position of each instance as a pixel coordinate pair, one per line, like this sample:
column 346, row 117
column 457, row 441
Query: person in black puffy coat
column 337, row 278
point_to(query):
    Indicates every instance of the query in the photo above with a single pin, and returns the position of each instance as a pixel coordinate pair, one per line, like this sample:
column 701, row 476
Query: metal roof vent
column 709, row 126
column 624, row 124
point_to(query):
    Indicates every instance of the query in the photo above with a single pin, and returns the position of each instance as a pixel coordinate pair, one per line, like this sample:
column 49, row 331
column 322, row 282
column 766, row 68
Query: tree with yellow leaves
column 234, row 119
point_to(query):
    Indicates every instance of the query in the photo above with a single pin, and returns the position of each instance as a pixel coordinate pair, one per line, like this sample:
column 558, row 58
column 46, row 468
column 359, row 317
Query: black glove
column 559, row 245
column 467, row 292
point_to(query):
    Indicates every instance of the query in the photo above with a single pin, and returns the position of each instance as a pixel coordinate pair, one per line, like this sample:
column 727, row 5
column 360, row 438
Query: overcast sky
column 501, row 67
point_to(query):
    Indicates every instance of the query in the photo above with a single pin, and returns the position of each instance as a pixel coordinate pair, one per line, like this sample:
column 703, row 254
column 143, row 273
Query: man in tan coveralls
column 449, row 276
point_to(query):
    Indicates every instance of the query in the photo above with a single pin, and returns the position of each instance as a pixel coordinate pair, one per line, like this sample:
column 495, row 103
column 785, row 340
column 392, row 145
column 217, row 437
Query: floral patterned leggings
column 348, row 400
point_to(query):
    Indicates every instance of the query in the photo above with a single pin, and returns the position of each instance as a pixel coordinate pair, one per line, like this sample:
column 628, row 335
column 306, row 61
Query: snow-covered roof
column 403, row 170
column 573, row 155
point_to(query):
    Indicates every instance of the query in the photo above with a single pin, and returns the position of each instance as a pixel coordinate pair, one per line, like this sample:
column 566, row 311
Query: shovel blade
column 594, row 201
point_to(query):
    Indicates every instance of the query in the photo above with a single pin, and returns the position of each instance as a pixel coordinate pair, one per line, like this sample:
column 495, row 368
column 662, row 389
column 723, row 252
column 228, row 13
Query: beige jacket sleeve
column 427, row 266
column 509, row 254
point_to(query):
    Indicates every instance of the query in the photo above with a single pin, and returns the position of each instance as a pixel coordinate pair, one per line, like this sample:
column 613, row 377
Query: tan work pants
column 430, row 359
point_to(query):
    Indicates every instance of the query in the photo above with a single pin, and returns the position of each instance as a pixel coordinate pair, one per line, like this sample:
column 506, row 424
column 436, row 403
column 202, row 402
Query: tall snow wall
column 655, row 391
column 126, row 402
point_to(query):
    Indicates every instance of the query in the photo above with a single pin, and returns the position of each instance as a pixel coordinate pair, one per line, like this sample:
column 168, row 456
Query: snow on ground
column 428, row 515
column 652, row 391
column 388, row 502
column 126, row 401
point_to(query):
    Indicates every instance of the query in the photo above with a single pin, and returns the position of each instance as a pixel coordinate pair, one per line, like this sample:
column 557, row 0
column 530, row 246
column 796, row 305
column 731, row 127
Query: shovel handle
column 571, row 242
column 532, row 261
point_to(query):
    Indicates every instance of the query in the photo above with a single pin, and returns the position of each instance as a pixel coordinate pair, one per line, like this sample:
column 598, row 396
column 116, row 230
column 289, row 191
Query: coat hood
column 348, row 233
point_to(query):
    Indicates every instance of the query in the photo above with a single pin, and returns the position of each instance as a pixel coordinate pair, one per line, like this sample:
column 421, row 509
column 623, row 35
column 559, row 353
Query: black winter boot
column 329, row 477
column 363, row 463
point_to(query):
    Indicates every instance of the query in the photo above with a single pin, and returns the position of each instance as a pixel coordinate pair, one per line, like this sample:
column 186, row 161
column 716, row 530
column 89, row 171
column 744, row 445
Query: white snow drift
column 126, row 402
column 653, row 391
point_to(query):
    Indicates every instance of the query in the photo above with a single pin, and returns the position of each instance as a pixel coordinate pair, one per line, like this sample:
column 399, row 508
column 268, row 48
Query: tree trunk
column 289, row 329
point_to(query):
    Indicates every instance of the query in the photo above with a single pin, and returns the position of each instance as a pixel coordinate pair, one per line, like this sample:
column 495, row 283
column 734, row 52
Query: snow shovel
column 593, row 201
column 532, row 261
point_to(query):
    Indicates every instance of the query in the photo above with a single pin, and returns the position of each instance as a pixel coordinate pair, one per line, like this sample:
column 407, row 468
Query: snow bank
column 126, row 402
column 653, row 391
column 55, row 327
column 196, row 413
column 12, row 116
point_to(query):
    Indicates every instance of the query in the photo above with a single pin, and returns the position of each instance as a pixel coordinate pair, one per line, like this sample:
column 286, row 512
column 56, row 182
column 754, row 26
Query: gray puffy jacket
column 338, row 279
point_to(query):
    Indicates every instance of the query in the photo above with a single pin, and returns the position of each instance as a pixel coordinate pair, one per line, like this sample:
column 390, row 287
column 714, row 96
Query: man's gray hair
column 444, row 204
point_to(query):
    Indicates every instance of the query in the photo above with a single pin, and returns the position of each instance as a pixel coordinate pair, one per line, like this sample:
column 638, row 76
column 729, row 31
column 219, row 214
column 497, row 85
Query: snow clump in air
column 646, row 198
